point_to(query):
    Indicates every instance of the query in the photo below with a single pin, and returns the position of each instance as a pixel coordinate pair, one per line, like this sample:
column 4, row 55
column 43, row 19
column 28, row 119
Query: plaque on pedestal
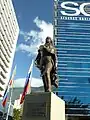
column 43, row 106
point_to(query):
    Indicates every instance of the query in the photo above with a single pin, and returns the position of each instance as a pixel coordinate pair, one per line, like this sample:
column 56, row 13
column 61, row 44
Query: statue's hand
column 52, row 51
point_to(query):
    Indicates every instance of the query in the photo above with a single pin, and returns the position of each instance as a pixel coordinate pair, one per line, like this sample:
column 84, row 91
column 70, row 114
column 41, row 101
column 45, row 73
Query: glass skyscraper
column 72, row 40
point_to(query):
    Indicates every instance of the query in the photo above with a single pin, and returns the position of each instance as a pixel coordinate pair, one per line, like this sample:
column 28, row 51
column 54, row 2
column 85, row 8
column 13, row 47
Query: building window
column 6, row 25
column 2, row 75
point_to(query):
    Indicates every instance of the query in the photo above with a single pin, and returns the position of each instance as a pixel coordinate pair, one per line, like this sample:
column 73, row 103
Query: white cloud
column 28, row 48
column 35, row 82
column 36, row 37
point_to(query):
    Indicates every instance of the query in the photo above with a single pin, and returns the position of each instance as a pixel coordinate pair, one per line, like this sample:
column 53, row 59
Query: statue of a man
column 46, row 62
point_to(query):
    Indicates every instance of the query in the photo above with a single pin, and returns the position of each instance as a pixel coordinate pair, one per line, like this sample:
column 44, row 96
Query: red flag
column 5, row 101
column 25, row 88
column 12, row 77
column 5, row 97
column 26, row 84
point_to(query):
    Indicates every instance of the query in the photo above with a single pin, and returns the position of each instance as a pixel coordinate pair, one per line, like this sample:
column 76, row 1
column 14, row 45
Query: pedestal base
column 43, row 106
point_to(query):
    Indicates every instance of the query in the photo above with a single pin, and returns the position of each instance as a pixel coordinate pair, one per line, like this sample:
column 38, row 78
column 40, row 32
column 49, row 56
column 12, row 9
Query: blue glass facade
column 72, row 40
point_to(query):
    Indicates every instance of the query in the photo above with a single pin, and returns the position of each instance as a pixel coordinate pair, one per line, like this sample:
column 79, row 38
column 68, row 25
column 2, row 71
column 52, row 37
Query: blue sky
column 35, row 25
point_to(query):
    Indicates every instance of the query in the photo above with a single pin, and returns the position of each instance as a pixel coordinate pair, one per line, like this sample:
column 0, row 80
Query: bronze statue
column 46, row 62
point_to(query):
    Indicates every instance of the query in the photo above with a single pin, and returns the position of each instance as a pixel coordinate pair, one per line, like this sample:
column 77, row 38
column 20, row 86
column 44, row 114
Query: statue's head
column 48, row 40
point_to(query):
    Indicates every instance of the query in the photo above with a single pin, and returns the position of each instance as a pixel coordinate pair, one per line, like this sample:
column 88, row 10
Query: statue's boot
column 48, row 69
column 48, row 81
column 44, row 83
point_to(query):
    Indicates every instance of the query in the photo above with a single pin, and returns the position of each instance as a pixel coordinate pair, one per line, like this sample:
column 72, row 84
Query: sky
column 35, row 19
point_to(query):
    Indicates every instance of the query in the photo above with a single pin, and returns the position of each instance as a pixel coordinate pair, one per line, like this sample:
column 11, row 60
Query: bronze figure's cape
column 46, row 62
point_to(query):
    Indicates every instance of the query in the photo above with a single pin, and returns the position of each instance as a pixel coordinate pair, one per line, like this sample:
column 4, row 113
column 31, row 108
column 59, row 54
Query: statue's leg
column 45, row 83
column 48, row 69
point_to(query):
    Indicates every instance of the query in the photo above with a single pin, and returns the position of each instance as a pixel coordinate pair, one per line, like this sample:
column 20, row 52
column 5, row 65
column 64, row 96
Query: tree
column 74, row 106
column 16, row 114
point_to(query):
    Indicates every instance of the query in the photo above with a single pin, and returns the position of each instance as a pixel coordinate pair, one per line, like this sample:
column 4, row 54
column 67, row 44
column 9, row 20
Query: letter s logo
column 63, row 5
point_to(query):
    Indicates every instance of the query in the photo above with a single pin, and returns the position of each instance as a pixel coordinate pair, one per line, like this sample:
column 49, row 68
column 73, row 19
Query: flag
column 26, row 83
column 5, row 96
column 12, row 77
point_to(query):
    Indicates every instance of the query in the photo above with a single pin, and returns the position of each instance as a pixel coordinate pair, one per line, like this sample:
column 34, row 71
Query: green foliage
column 16, row 114
column 75, row 106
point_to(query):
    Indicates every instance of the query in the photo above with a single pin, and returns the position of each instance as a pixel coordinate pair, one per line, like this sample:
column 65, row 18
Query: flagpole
column 3, row 113
column 11, row 86
column 9, row 103
column 30, row 77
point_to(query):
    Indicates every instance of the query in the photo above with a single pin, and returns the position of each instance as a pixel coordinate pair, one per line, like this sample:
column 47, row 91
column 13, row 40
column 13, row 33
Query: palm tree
column 75, row 106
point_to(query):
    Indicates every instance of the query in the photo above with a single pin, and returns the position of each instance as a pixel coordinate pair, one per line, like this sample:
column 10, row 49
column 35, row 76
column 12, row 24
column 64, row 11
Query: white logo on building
column 72, row 6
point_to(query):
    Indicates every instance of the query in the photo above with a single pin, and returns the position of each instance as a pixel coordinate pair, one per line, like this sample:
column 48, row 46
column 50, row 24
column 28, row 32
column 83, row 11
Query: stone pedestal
column 43, row 106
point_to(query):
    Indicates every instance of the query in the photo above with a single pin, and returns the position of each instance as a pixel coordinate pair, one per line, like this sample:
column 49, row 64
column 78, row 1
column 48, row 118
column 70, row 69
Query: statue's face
column 48, row 41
